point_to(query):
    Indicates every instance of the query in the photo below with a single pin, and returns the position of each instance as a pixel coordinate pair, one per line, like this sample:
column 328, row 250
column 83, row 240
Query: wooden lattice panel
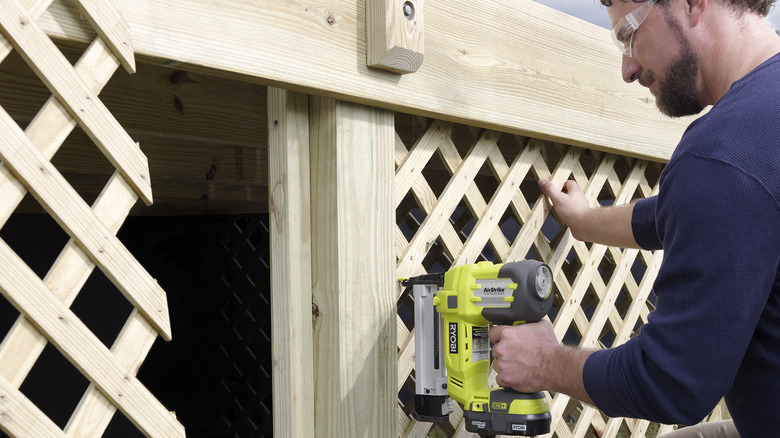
column 465, row 195
column 44, row 304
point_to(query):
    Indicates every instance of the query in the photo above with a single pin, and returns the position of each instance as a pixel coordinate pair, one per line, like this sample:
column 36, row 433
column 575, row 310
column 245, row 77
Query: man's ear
column 694, row 10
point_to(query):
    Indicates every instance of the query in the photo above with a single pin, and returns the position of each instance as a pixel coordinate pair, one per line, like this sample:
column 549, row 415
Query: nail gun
column 453, row 311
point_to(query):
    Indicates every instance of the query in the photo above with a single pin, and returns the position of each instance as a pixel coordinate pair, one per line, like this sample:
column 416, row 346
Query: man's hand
column 606, row 225
column 528, row 358
column 569, row 203
column 519, row 354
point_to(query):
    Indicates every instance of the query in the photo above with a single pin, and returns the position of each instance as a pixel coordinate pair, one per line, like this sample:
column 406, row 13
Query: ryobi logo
column 519, row 428
column 498, row 406
column 453, row 338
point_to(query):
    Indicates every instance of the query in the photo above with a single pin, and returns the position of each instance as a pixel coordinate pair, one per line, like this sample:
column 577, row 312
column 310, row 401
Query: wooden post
column 291, row 299
column 353, row 268
column 394, row 35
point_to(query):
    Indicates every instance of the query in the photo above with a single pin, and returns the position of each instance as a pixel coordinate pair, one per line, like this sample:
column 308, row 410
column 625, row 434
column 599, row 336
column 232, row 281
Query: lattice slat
column 603, row 294
column 54, row 192
column 23, row 343
column 111, row 28
column 455, row 190
column 44, row 303
column 74, row 339
column 530, row 232
column 505, row 192
column 55, row 71
column 28, row 419
column 94, row 411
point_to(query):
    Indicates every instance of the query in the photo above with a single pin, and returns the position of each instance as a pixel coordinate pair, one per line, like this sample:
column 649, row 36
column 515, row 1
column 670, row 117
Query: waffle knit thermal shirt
column 716, row 326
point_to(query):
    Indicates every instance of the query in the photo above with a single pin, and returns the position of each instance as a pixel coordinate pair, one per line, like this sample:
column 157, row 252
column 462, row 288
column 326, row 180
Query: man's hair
column 758, row 6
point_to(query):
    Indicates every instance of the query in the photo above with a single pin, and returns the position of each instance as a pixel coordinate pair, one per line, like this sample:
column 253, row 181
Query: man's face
column 677, row 94
column 663, row 59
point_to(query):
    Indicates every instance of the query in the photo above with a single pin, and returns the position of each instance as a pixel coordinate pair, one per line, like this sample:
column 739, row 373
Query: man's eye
column 624, row 34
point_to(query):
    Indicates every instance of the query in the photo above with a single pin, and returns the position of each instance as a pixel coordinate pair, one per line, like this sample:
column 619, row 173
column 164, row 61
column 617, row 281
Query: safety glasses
column 623, row 32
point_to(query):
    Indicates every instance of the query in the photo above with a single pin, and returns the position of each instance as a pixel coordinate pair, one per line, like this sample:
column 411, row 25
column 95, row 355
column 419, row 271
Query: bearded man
column 715, row 331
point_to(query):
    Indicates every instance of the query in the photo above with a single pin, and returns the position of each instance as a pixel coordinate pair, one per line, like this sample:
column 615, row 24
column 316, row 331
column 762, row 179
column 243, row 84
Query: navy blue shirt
column 716, row 328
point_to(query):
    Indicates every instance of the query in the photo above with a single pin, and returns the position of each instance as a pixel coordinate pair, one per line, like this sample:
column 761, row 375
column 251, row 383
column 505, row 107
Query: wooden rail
column 513, row 66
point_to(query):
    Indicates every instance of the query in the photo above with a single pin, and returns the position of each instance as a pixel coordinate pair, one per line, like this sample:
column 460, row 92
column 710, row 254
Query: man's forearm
column 606, row 225
column 566, row 369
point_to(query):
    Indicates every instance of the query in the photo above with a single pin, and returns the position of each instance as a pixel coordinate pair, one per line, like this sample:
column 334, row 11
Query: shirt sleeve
column 643, row 224
column 721, row 253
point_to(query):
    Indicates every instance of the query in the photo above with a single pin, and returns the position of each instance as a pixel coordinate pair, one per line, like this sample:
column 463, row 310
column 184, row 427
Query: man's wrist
column 565, row 369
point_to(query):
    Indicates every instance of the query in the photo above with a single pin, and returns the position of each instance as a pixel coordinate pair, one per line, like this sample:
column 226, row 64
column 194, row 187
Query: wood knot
column 315, row 311
column 177, row 76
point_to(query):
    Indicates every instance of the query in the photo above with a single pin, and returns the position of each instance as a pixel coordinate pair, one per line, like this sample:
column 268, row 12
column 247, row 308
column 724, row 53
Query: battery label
column 480, row 344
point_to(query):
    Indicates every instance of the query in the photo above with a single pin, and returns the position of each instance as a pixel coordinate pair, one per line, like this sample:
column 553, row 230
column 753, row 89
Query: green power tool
column 452, row 316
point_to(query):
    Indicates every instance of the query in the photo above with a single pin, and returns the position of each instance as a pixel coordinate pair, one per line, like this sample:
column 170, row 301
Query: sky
column 592, row 11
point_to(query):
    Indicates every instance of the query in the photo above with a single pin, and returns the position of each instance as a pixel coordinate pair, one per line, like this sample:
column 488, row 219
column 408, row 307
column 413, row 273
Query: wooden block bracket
column 394, row 35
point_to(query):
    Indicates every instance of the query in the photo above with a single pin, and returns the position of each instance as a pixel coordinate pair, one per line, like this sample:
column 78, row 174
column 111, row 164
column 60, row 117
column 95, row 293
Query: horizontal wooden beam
column 514, row 66
column 156, row 101
column 205, row 137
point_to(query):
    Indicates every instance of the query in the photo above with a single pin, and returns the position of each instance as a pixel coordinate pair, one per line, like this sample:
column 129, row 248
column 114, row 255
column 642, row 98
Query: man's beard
column 677, row 95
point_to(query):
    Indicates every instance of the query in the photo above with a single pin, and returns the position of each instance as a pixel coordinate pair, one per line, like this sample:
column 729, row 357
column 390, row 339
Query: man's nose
column 630, row 69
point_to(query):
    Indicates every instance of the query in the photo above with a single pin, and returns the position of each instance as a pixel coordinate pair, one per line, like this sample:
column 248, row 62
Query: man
column 716, row 328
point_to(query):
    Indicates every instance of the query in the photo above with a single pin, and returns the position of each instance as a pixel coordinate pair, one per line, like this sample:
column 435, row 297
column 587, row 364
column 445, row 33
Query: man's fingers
column 549, row 190
column 495, row 333
column 571, row 187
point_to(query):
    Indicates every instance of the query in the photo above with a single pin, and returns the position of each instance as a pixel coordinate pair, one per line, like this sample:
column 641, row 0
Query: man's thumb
column 548, row 189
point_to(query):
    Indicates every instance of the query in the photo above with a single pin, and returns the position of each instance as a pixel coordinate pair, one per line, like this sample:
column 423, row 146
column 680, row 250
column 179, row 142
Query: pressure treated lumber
column 394, row 35
column 205, row 137
column 20, row 417
column 156, row 103
column 449, row 199
column 94, row 411
column 353, row 275
column 510, row 65
column 23, row 344
column 73, row 214
column 291, row 281
column 29, row 295
column 111, row 27
column 83, row 105
column 52, row 124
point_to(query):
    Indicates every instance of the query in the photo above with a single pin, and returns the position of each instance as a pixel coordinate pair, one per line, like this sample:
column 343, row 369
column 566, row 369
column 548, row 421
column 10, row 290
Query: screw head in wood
column 408, row 10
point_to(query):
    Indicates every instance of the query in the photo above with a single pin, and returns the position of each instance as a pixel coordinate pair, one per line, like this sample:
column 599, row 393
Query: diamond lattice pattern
column 465, row 195
column 43, row 304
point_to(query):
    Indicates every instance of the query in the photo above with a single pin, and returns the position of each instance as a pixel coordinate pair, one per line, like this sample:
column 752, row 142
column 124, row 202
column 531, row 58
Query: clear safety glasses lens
column 623, row 32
